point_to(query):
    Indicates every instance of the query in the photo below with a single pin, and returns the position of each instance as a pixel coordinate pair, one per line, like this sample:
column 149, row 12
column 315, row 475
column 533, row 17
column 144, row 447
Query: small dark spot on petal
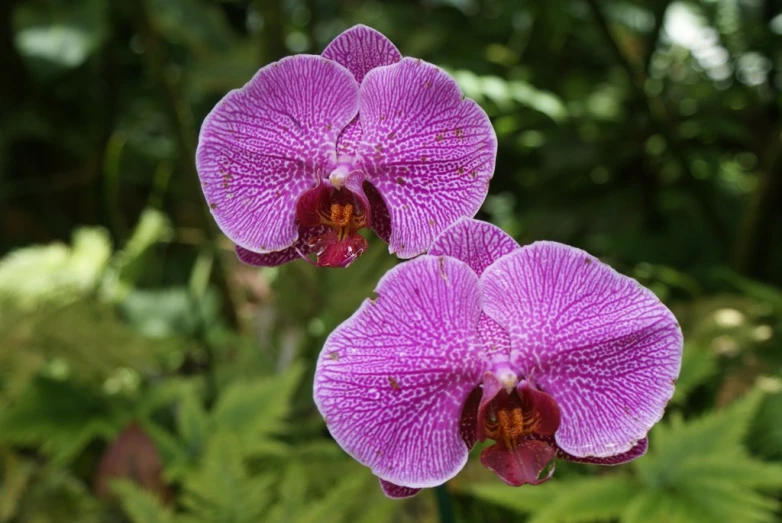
column 587, row 260
column 379, row 147
column 464, row 96
column 229, row 195
column 213, row 206
column 400, row 181
column 334, row 356
column 399, row 112
column 473, row 174
column 277, row 194
column 427, row 84
column 424, row 158
column 441, row 270
column 225, row 185
column 460, row 170
column 328, row 126
column 393, row 383
column 391, row 136
column 431, row 222
column 459, row 133
column 439, row 137
column 673, row 381
column 382, row 118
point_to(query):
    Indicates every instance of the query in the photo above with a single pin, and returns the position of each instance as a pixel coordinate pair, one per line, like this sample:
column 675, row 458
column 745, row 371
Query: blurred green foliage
column 147, row 376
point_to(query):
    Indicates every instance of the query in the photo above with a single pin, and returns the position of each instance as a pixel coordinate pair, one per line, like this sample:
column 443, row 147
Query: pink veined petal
column 429, row 151
column 475, row 242
column 605, row 348
column 302, row 247
column 267, row 143
column 392, row 380
column 397, row 491
column 361, row 49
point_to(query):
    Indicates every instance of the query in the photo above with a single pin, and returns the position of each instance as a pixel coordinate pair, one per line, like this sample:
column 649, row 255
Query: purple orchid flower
column 543, row 349
column 315, row 148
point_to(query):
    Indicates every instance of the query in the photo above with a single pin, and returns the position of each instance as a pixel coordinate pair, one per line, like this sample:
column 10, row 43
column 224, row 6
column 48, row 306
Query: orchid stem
column 444, row 506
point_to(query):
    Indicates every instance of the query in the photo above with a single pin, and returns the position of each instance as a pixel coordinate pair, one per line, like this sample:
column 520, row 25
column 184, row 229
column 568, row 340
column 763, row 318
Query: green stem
column 444, row 506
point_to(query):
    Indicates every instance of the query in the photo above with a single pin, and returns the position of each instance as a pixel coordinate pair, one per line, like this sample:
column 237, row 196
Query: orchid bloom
column 315, row 148
column 543, row 349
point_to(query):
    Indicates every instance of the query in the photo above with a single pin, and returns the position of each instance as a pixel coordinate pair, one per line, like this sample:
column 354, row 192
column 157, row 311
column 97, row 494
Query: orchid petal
column 637, row 451
column 392, row 380
column 303, row 246
column 475, row 242
column 394, row 491
column 429, row 151
column 605, row 348
column 360, row 49
column 266, row 144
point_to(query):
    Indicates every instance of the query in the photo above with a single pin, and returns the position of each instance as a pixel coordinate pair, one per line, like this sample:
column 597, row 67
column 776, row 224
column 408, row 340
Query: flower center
column 337, row 214
column 522, row 420
column 343, row 218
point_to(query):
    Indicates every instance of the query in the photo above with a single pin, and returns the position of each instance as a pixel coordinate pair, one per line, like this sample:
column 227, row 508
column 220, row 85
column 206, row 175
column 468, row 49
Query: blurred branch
column 273, row 35
column 658, row 11
column 182, row 120
column 657, row 113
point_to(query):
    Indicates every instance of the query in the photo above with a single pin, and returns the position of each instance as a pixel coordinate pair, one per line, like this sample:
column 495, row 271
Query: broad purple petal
column 392, row 380
column 396, row 491
column 429, row 151
column 361, row 49
column 475, row 242
column 267, row 143
column 605, row 348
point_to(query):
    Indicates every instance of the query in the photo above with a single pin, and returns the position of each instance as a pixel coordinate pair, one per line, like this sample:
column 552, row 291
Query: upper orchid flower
column 314, row 148
column 542, row 348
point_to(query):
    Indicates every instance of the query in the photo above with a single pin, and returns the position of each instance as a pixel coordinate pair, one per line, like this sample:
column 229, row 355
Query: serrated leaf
column 255, row 409
column 141, row 506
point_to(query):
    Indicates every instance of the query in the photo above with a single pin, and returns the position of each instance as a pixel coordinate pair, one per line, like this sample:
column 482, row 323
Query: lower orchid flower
column 542, row 349
column 315, row 148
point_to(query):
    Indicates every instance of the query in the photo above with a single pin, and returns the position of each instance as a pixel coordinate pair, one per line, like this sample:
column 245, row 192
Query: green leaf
column 54, row 274
column 61, row 418
column 141, row 506
column 698, row 365
column 221, row 490
column 252, row 410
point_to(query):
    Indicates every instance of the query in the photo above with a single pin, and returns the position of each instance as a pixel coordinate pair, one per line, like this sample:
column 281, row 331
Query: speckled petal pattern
column 391, row 381
column 605, row 348
column 475, row 242
column 267, row 143
column 429, row 151
column 361, row 49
